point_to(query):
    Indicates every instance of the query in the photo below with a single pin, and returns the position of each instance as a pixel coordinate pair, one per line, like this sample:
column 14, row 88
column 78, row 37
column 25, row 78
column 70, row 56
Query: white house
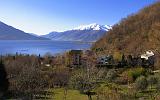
column 147, row 55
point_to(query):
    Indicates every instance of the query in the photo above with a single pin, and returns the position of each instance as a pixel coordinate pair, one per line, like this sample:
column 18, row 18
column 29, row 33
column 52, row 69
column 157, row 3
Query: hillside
column 135, row 34
column 88, row 33
column 10, row 33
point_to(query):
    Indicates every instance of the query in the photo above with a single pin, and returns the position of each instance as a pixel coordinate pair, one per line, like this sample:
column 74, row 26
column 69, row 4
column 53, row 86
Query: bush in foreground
column 141, row 83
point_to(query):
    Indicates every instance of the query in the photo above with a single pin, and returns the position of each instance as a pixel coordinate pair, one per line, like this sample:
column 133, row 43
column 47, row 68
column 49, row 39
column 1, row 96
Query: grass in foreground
column 60, row 94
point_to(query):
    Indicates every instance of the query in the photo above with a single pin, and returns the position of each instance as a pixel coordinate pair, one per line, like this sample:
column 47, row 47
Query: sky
column 44, row 16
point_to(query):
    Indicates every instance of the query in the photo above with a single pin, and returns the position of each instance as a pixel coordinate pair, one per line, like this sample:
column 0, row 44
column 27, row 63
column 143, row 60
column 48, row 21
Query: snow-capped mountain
column 89, row 33
column 93, row 26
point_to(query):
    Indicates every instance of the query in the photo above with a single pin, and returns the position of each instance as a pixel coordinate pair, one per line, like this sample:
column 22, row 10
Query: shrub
column 122, row 80
column 111, row 74
column 126, row 76
column 141, row 83
column 152, row 80
column 158, row 86
column 106, row 93
column 134, row 73
column 131, row 74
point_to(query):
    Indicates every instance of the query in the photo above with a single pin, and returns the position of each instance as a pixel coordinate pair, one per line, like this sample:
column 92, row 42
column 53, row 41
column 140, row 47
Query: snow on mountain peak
column 93, row 26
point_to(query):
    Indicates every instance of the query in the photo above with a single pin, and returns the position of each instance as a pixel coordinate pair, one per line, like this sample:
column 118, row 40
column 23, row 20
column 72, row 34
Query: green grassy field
column 59, row 94
column 109, row 89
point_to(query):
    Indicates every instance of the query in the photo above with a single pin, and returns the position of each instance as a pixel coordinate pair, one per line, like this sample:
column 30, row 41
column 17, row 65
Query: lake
column 39, row 47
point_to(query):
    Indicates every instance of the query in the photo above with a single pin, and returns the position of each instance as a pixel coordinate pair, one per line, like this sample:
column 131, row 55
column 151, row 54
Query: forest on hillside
column 134, row 34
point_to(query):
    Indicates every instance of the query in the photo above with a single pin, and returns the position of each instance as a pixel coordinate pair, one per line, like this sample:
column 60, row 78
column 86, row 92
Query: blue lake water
column 39, row 47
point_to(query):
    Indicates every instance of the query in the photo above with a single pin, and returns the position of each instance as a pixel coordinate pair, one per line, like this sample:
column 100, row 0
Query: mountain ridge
column 88, row 33
column 8, row 32
column 93, row 26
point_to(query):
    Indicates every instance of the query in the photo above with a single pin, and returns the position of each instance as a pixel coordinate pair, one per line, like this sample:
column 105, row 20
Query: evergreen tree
column 3, row 80
column 123, row 61
column 129, row 60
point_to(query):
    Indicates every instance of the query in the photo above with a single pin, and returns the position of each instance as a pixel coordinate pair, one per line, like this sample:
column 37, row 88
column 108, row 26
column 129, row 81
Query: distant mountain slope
column 134, row 34
column 90, row 33
column 10, row 33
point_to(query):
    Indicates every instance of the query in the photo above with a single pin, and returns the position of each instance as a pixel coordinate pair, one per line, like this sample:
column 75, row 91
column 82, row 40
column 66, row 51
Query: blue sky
column 44, row 16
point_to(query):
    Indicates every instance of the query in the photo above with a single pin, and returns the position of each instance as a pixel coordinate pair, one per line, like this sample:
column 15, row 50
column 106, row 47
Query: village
column 77, row 57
